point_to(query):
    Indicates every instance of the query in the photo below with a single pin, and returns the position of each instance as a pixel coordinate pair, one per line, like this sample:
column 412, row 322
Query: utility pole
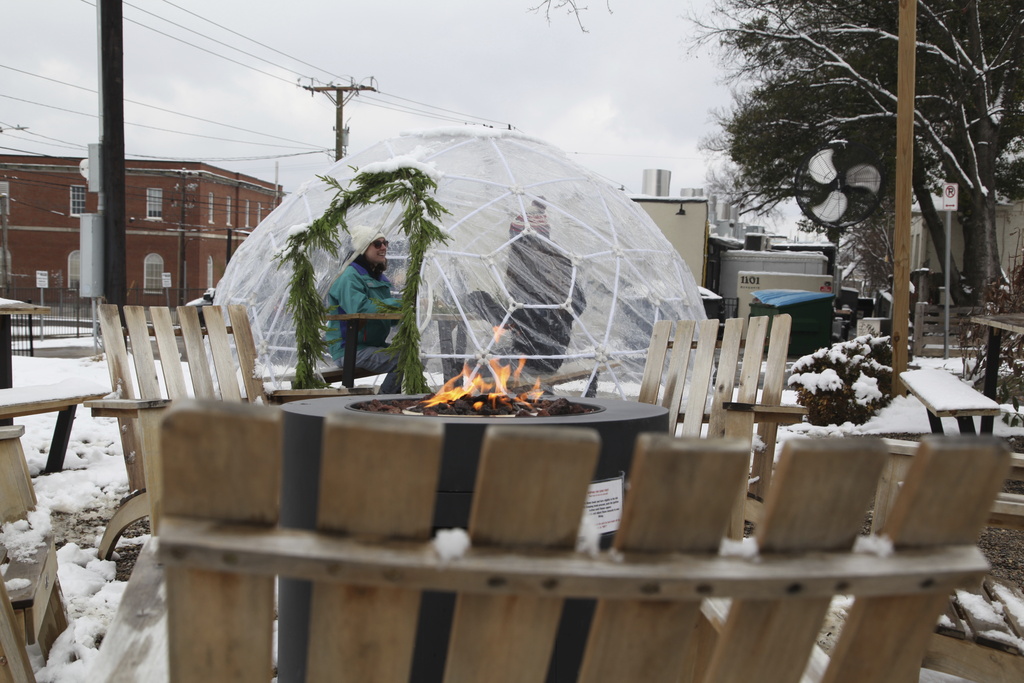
column 5, row 208
column 341, row 93
column 113, row 166
column 5, row 211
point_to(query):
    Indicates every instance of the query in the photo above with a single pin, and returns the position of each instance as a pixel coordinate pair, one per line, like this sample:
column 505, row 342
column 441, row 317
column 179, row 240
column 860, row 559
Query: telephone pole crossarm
column 339, row 103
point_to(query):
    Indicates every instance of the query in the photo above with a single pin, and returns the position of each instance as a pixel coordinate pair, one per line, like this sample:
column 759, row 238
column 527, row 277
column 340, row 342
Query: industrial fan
column 838, row 184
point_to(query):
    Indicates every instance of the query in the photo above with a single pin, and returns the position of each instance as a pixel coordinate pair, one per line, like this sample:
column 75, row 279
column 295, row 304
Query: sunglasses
column 377, row 244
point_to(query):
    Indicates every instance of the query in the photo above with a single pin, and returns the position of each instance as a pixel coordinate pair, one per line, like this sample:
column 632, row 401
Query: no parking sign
column 950, row 197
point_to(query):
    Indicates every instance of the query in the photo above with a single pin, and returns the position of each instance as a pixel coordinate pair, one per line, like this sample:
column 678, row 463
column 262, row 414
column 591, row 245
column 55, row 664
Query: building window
column 77, row 200
column 153, row 273
column 155, row 203
column 209, row 271
column 227, row 211
column 247, row 213
column 259, row 212
column 210, row 214
column 74, row 269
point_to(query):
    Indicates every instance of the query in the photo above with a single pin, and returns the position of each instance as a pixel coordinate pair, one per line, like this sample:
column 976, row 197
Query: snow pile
column 575, row 270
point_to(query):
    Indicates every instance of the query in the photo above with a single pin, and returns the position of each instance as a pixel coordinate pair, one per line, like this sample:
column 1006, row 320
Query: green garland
column 407, row 185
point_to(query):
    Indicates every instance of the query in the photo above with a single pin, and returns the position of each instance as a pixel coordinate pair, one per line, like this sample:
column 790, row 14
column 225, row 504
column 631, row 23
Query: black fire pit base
column 618, row 424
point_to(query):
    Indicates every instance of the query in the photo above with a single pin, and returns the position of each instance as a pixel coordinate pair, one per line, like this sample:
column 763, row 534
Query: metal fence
column 70, row 315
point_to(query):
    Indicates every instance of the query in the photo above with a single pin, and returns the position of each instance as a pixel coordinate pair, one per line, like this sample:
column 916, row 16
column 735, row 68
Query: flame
column 493, row 393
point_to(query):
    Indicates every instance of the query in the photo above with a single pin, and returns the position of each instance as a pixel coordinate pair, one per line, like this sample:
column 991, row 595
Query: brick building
column 183, row 219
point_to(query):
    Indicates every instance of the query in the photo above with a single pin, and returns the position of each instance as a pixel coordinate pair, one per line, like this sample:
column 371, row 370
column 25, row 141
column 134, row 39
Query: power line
column 152, row 106
column 54, row 141
column 206, row 50
column 203, row 35
column 219, row 159
column 462, row 116
column 450, row 111
column 256, row 42
column 142, row 125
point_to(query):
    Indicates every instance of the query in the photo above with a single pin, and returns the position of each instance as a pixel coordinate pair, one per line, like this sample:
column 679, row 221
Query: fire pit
column 470, row 407
column 617, row 422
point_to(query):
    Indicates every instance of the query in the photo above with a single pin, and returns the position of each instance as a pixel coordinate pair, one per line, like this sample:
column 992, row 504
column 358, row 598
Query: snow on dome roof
column 575, row 271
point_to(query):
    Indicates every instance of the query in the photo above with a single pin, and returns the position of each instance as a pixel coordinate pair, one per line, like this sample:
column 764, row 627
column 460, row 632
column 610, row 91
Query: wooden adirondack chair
column 977, row 637
column 218, row 362
column 729, row 385
column 669, row 606
column 31, row 606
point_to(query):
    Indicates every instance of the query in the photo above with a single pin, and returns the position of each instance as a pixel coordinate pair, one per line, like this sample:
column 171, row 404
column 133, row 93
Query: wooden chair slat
column 511, row 638
column 923, row 517
column 245, row 347
column 116, row 351
column 195, row 351
column 678, row 365
column 670, row 479
column 222, row 627
column 753, row 356
column 376, row 482
column 771, row 394
column 381, row 484
column 703, row 365
column 142, row 352
column 220, row 349
column 725, row 377
column 673, row 479
column 653, row 370
column 170, row 357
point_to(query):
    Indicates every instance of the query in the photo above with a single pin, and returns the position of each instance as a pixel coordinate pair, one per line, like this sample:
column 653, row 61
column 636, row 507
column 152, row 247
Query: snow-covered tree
column 806, row 73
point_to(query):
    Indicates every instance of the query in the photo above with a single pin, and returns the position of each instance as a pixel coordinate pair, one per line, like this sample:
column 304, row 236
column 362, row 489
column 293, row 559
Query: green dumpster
column 811, row 312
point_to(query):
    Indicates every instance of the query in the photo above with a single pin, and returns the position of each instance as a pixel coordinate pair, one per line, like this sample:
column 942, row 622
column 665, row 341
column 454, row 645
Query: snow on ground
column 94, row 479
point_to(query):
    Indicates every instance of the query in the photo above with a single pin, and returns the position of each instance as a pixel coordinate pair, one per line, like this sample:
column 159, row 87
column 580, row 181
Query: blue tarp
column 786, row 297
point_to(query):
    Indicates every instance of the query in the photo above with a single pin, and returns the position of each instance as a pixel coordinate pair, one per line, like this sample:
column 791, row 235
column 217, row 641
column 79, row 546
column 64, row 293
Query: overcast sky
column 627, row 95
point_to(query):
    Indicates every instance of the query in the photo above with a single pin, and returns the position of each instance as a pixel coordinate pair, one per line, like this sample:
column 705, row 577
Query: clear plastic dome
column 573, row 272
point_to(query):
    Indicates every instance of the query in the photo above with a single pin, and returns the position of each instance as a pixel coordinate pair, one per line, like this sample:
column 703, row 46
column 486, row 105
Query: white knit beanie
column 362, row 235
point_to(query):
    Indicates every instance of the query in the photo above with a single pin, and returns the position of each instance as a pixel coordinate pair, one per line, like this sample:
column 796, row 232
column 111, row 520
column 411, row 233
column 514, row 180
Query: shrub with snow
column 847, row 382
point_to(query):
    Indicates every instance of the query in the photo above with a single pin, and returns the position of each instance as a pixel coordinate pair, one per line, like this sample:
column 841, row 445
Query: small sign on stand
column 166, row 284
column 42, row 283
column 950, row 203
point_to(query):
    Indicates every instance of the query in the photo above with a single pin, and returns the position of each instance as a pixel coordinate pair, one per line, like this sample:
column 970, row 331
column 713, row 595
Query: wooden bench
column 669, row 605
column 946, row 396
column 730, row 385
column 981, row 633
column 220, row 361
column 32, row 589
column 62, row 397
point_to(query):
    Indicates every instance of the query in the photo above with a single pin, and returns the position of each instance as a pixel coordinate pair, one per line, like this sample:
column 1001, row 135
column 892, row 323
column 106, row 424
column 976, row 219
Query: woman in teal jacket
column 357, row 290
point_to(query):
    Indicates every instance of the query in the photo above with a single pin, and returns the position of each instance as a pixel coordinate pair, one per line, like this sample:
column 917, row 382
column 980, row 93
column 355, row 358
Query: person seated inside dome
column 358, row 289
column 545, row 291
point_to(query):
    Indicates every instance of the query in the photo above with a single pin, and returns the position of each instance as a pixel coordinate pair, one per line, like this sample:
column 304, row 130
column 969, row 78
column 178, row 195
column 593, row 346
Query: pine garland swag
column 413, row 189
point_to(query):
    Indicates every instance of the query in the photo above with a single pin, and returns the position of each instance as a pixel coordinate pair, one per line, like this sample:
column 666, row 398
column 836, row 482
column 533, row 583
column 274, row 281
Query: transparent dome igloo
column 574, row 271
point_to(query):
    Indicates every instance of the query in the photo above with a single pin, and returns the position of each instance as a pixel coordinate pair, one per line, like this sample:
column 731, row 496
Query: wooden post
column 904, row 191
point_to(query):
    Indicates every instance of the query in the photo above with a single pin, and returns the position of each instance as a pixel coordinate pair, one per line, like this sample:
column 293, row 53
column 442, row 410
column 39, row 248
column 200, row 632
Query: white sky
column 625, row 96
